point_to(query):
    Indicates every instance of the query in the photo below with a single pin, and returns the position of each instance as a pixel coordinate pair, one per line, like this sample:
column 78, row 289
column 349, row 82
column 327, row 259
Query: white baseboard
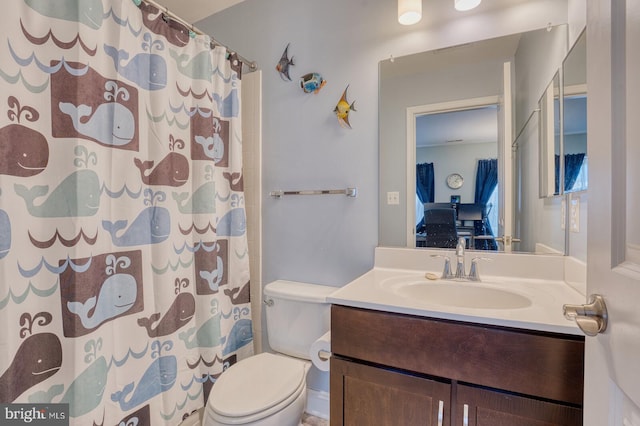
column 545, row 249
column 318, row 403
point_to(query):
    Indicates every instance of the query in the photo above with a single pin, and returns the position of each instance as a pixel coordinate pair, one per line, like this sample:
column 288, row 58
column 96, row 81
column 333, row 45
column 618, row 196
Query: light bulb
column 463, row 5
column 409, row 11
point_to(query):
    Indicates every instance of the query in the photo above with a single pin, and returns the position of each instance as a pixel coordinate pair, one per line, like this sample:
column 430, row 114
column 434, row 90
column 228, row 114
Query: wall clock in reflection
column 455, row 180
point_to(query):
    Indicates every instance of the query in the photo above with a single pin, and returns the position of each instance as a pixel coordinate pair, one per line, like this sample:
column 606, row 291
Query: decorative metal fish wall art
column 284, row 63
column 343, row 108
column 312, row 82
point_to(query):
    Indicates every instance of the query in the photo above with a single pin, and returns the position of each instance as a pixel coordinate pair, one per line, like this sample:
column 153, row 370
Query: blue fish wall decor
column 312, row 82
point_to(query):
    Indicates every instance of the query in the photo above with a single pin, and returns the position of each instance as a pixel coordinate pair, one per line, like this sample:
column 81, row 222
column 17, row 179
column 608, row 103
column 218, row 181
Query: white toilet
column 270, row 389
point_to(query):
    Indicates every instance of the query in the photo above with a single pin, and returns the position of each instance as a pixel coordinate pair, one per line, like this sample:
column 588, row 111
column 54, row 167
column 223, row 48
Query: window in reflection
column 492, row 210
column 581, row 183
column 575, row 141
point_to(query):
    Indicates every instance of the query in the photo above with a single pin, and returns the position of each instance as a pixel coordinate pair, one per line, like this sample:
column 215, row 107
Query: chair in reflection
column 429, row 206
column 440, row 228
column 420, row 227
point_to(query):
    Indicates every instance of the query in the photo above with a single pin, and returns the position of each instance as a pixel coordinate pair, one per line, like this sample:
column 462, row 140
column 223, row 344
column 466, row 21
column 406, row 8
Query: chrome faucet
column 460, row 268
column 474, row 273
column 446, row 271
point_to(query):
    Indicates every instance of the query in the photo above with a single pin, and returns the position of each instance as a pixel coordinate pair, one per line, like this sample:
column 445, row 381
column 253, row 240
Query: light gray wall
column 576, row 143
column 330, row 239
column 456, row 158
column 539, row 219
column 539, row 56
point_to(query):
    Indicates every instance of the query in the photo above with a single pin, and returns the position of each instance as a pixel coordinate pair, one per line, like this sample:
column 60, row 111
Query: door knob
column 591, row 317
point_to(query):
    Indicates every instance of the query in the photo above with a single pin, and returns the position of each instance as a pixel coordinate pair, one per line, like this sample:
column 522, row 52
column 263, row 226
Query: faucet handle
column 474, row 274
column 446, row 271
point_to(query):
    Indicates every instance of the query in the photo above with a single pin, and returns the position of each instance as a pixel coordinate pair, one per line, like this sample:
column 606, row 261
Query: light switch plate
column 574, row 215
column 393, row 198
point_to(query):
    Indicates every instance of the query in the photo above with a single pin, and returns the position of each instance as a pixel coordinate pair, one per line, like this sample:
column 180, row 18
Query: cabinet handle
column 440, row 412
column 465, row 416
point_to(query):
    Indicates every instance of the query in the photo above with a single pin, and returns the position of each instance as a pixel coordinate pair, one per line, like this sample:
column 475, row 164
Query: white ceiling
column 481, row 124
column 467, row 126
column 434, row 10
column 196, row 10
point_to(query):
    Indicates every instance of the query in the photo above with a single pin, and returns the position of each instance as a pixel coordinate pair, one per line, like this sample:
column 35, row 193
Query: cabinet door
column 366, row 395
column 492, row 408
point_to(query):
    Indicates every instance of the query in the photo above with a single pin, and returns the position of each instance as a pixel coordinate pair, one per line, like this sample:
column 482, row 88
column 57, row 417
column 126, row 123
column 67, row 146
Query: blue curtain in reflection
column 486, row 182
column 572, row 166
column 424, row 186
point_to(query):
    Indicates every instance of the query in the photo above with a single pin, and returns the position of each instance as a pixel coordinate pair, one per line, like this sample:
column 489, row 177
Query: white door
column 612, row 371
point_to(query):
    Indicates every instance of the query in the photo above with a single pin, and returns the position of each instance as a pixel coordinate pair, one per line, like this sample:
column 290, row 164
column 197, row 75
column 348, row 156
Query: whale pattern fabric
column 123, row 246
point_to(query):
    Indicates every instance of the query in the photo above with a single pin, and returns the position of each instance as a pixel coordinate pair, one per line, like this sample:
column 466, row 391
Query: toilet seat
column 256, row 387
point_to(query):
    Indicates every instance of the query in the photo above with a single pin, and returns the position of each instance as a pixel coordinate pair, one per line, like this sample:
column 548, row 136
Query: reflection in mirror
column 452, row 146
column 549, row 134
column 574, row 95
column 453, row 76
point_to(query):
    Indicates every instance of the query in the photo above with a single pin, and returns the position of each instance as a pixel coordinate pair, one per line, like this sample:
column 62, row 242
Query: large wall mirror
column 563, row 126
column 574, row 120
column 550, row 139
column 453, row 101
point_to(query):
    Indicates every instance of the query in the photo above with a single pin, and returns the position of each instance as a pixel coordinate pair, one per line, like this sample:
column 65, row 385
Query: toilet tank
column 297, row 315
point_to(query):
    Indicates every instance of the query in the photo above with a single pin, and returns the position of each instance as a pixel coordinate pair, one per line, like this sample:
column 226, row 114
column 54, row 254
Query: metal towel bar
column 349, row 192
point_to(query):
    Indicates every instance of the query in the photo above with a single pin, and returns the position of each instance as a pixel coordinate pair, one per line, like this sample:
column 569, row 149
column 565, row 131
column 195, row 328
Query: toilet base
column 317, row 405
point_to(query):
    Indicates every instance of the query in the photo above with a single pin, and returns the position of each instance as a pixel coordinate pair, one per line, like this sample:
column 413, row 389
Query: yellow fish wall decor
column 343, row 108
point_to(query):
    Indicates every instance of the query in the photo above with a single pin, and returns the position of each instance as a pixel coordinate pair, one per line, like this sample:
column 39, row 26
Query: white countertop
column 373, row 291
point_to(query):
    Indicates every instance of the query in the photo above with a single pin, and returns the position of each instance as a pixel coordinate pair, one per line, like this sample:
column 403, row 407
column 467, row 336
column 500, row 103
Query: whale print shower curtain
column 124, row 270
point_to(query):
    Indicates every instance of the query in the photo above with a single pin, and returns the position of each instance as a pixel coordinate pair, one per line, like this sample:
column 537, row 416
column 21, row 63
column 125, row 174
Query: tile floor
column 309, row 420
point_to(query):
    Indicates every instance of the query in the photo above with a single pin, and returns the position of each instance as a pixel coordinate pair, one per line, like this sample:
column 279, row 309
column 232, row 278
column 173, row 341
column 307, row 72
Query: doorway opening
column 453, row 163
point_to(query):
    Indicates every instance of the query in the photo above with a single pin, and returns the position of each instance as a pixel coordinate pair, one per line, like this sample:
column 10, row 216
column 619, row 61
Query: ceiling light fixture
column 463, row 5
column 409, row 11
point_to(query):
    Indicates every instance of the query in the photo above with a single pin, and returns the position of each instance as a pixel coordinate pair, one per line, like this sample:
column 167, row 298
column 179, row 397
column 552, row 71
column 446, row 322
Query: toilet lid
column 256, row 384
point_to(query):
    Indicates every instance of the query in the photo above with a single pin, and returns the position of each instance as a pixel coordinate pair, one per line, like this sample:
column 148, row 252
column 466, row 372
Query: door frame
column 411, row 114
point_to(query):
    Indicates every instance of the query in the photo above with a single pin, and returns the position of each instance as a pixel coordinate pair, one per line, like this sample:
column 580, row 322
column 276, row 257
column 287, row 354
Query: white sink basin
column 517, row 301
column 459, row 294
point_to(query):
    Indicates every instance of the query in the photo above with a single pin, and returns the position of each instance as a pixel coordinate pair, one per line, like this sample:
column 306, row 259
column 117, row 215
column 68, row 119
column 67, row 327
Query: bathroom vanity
column 402, row 359
column 399, row 369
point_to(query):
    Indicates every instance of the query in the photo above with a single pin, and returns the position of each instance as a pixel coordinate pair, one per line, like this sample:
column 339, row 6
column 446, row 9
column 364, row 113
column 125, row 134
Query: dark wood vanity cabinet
column 378, row 396
column 395, row 369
